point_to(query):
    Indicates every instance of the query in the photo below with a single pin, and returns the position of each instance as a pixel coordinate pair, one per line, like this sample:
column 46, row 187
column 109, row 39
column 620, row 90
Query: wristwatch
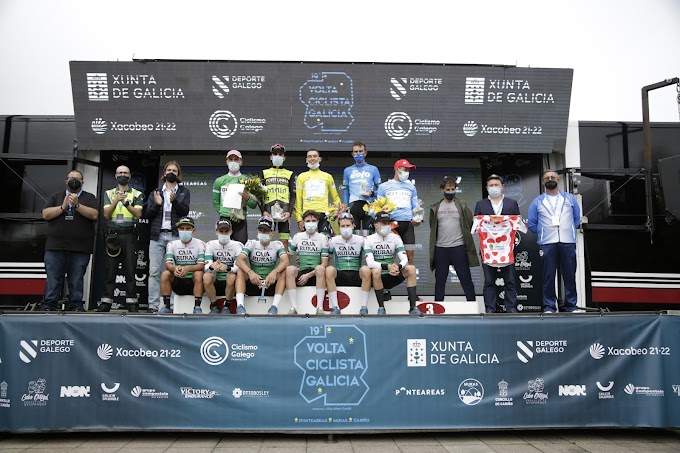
column 127, row 203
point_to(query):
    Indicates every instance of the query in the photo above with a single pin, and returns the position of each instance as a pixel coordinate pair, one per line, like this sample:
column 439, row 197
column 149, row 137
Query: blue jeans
column 563, row 254
column 456, row 257
column 157, row 266
column 58, row 263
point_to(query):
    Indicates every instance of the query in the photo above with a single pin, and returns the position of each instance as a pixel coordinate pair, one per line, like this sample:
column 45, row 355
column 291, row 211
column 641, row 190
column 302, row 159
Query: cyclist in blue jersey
column 358, row 186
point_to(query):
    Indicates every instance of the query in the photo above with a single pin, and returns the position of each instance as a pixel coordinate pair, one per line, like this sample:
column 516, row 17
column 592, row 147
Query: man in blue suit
column 498, row 204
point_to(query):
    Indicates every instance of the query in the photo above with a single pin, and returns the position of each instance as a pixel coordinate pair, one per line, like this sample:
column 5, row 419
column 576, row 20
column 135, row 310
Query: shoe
column 198, row 310
column 363, row 311
column 165, row 310
column 549, row 311
column 104, row 307
column 511, row 310
column 79, row 310
column 241, row 310
column 382, row 311
column 319, row 311
column 214, row 310
column 225, row 310
column 292, row 311
column 414, row 311
column 152, row 311
column 336, row 311
column 273, row 310
column 578, row 310
column 133, row 308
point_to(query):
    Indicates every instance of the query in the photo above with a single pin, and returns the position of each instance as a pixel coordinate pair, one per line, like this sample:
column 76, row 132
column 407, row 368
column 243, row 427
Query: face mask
column 310, row 227
column 358, row 158
column 185, row 236
column 493, row 191
column 233, row 166
column 223, row 238
column 277, row 161
column 264, row 238
column 313, row 166
column 550, row 185
column 403, row 176
column 171, row 177
column 123, row 180
column 385, row 230
column 74, row 185
column 449, row 195
column 346, row 233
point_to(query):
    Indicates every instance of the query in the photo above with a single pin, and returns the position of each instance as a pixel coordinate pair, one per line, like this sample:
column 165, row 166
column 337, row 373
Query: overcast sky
column 614, row 46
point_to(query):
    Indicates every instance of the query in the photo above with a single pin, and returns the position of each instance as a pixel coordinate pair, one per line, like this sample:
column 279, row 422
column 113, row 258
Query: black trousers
column 128, row 260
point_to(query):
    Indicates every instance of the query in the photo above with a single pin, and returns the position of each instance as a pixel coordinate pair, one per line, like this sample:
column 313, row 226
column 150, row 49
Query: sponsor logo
column 28, row 350
column 97, row 86
column 240, row 393
column 470, row 128
column 512, row 91
column 474, row 90
column 419, row 392
column 36, row 395
column 139, row 392
column 192, row 393
column 459, row 352
column 105, row 351
column 525, row 281
column 676, row 389
column 110, row 392
column 99, row 126
column 120, row 279
column 470, row 391
column 398, row 88
column 596, row 351
column 141, row 262
column 527, row 349
column 398, row 125
column 223, row 124
column 571, row 390
column 500, row 281
column 503, row 399
column 604, row 393
column 522, row 262
column 220, row 86
column 534, row 393
column 328, row 98
column 74, row 391
column 139, row 280
column 416, row 354
column 214, row 351
column 631, row 389
column 4, row 401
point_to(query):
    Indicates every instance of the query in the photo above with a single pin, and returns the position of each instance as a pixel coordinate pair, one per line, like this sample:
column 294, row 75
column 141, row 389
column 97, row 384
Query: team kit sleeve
column 170, row 253
column 414, row 198
column 376, row 178
column 324, row 246
column 292, row 195
column 246, row 249
column 333, row 190
column 216, row 194
column 299, row 196
column 208, row 257
column 345, row 186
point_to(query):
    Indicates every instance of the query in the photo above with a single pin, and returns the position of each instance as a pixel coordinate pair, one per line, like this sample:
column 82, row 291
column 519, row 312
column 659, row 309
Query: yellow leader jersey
column 312, row 190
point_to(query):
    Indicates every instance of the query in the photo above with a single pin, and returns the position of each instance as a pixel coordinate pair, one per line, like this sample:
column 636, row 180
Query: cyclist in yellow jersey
column 313, row 189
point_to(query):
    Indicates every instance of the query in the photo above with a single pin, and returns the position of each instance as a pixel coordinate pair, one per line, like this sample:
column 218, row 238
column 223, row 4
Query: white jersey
column 180, row 254
column 263, row 258
column 310, row 248
column 383, row 249
column 497, row 237
column 347, row 255
column 225, row 254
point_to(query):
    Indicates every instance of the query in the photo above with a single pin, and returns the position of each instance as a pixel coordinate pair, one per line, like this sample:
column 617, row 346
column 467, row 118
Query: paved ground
column 507, row 441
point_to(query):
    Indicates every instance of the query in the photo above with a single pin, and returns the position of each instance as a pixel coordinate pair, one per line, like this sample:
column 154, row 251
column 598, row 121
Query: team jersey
column 263, row 258
column 280, row 187
column 180, row 254
column 220, row 186
column 310, row 248
column 313, row 188
column 347, row 255
column 383, row 249
column 358, row 179
column 404, row 197
column 497, row 237
column 225, row 254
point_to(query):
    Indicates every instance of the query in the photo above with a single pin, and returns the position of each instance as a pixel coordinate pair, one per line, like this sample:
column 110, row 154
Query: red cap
column 403, row 163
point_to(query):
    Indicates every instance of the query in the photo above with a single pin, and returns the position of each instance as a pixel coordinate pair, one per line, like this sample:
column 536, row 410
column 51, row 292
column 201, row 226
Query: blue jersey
column 358, row 179
column 404, row 197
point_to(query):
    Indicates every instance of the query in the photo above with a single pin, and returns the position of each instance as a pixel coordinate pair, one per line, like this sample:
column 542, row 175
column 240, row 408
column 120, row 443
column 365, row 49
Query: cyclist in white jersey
column 219, row 276
column 184, row 262
column 347, row 250
column 380, row 249
column 261, row 262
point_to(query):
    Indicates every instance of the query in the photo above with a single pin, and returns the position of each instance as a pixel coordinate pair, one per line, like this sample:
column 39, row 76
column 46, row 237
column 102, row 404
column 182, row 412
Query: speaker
column 669, row 172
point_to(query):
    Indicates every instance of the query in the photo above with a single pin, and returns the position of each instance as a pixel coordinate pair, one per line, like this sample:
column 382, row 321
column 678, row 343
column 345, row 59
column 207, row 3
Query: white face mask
column 277, row 161
column 403, row 176
column 223, row 238
column 311, row 227
column 493, row 191
column 346, row 233
column 234, row 166
column 313, row 166
column 264, row 238
column 385, row 230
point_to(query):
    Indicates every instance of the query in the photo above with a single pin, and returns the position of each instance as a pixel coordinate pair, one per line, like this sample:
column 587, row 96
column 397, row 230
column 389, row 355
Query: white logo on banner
column 398, row 125
column 415, row 350
column 629, row 389
column 28, row 352
column 603, row 388
column 222, row 88
column 75, row 391
column 136, row 391
column 470, row 391
column 99, row 126
column 474, row 90
column 398, row 90
column 470, row 128
column 105, row 351
column 596, row 351
column 108, row 389
column 524, row 354
column 571, row 390
column 237, row 393
column 214, row 351
column 223, row 124
column 97, row 86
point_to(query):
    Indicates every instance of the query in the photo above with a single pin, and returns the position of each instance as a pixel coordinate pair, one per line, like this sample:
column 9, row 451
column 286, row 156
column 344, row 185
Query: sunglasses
column 345, row 215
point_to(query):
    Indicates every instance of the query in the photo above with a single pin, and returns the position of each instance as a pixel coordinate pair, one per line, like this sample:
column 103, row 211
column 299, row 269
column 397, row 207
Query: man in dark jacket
column 451, row 242
column 166, row 205
column 498, row 204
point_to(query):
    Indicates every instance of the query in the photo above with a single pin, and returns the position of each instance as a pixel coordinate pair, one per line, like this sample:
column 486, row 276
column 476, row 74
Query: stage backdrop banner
column 202, row 106
column 329, row 374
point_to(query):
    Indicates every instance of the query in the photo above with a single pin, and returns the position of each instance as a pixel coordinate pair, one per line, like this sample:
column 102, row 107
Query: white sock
column 333, row 296
column 320, row 296
column 277, row 299
column 240, row 298
column 364, row 298
column 292, row 295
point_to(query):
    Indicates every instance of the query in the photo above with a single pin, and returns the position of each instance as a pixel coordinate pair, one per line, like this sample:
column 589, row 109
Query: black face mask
column 171, row 177
column 550, row 185
column 74, row 184
column 123, row 180
column 449, row 196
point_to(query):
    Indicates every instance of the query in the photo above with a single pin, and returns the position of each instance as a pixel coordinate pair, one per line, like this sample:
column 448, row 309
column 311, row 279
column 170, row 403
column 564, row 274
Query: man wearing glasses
column 554, row 217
